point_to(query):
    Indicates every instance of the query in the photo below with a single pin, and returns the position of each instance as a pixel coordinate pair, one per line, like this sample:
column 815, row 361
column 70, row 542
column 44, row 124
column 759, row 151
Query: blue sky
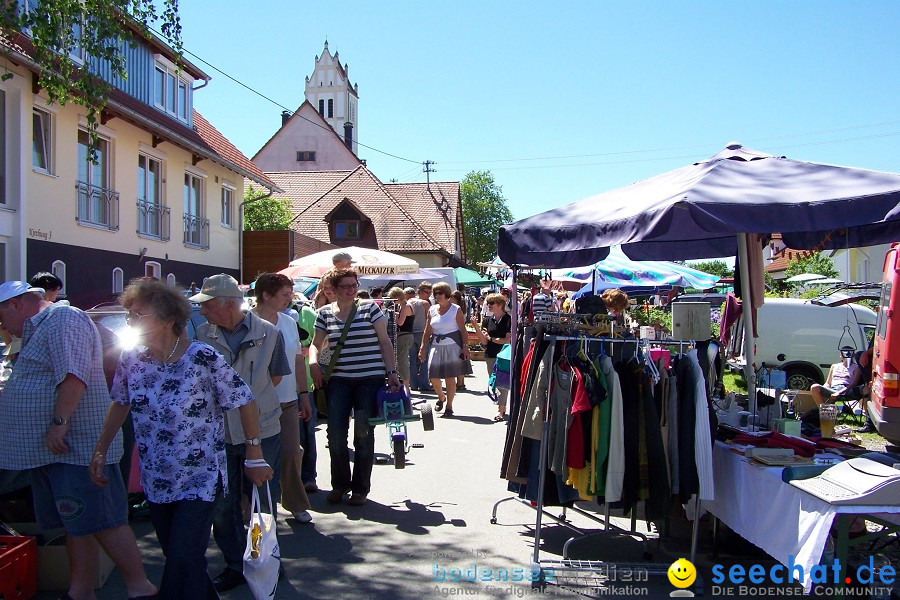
column 564, row 100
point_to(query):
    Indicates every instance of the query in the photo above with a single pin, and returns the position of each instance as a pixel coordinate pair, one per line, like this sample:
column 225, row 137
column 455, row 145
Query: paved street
column 430, row 518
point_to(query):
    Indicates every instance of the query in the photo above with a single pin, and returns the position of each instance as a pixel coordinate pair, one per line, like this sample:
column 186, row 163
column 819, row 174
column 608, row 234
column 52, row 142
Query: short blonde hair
column 615, row 299
column 396, row 293
column 442, row 288
column 496, row 299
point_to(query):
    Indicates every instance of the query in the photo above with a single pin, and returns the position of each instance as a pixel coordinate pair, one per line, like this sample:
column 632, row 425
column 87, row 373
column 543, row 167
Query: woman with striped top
column 352, row 388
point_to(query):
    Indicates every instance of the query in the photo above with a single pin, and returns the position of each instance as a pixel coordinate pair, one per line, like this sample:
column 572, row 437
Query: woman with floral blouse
column 178, row 392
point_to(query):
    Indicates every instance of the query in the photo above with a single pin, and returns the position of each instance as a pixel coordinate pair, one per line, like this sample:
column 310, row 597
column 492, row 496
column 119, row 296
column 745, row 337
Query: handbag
column 262, row 557
column 321, row 395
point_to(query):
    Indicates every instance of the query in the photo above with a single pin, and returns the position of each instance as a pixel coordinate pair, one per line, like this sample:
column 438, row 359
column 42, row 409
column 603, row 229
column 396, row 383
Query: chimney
column 348, row 135
column 285, row 116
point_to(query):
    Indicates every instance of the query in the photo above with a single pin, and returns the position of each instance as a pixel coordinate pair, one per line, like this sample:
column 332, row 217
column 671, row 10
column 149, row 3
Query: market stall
column 722, row 206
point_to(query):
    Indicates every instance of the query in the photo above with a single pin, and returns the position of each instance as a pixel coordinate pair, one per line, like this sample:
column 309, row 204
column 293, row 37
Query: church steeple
column 329, row 90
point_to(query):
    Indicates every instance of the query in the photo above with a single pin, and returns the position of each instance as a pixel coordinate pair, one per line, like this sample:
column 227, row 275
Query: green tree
column 814, row 263
column 265, row 214
column 484, row 211
column 96, row 29
column 713, row 267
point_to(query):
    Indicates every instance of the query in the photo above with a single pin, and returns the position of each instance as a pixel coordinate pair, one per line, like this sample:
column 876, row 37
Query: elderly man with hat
column 255, row 349
column 51, row 412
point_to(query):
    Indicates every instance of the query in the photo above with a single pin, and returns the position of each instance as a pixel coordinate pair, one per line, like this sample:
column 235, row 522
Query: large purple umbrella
column 701, row 210
column 697, row 211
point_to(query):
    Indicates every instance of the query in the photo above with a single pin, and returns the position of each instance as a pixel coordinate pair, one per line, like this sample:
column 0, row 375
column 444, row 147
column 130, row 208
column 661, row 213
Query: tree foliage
column 484, row 211
column 265, row 214
column 63, row 31
column 814, row 263
column 714, row 267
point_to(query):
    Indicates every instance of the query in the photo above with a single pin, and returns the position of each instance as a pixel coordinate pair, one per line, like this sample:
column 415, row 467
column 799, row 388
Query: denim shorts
column 65, row 496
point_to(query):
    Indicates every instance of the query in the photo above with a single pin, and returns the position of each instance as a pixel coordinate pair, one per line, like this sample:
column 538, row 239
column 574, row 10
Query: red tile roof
column 438, row 210
column 406, row 225
column 224, row 148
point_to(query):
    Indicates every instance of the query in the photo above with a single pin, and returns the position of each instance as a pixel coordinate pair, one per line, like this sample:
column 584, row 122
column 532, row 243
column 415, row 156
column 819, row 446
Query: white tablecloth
column 776, row 516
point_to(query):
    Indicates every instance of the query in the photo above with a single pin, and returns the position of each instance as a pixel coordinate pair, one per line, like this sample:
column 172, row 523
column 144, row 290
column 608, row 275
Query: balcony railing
column 97, row 207
column 153, row 220
column 196, row 232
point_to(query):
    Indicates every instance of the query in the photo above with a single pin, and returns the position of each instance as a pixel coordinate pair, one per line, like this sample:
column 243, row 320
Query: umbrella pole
column 747, row 312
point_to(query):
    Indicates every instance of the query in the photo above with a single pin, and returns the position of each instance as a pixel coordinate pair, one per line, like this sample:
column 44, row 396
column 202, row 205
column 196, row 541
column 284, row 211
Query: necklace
column 172, row 353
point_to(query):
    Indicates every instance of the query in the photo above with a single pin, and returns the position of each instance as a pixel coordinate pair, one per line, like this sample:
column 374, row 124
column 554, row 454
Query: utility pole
column 428, row 171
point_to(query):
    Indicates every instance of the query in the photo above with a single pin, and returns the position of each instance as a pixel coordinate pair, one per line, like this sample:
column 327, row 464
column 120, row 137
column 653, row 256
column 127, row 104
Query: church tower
column 329, row 90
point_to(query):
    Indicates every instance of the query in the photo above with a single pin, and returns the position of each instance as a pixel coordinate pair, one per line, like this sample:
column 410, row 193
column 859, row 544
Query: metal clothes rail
column 588, row 567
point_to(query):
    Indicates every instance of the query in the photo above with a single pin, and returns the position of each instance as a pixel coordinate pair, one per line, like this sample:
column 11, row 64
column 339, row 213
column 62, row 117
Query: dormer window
column 346, row 230
column 171, row 91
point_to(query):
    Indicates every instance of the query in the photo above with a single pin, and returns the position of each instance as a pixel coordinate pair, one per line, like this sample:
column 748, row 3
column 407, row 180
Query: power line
column 689, row 147
column 282, row 106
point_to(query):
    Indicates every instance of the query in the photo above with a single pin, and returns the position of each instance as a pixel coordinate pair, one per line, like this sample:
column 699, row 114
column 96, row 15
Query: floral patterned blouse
column 179, row 419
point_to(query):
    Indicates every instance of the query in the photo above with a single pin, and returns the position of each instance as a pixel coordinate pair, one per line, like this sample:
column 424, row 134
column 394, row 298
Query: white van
column 802, row 338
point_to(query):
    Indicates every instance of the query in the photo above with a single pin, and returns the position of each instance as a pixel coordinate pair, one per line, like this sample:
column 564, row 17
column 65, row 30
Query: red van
column 884, row 407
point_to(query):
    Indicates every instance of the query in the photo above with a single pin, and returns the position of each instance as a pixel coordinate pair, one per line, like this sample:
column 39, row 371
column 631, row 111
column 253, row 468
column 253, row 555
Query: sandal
column 439, row 405
column 447, row 413
column 499, row 418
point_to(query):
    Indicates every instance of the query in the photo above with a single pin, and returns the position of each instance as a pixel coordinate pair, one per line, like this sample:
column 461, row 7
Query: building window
column 98, row 204
column 152, row 269
column 330, row 108
column 170, row 93
column 321, row 107
column 170, row 280
column 40, row 143
column 58, row 268
column 118, row 280
column 346, row 230
column 153, row 217
column 307, row 156
column 196, row 227
column 227, row 206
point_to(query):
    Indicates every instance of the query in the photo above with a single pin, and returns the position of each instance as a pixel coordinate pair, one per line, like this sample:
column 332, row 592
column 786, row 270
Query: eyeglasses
column 348, row 286
column 131, row 317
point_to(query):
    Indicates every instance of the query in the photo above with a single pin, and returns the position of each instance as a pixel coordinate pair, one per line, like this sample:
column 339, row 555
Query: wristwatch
column 58, row 420
column 254, row 441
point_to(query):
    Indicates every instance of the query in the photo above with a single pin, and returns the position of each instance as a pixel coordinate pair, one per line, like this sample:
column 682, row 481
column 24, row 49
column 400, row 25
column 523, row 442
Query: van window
column 885, row 303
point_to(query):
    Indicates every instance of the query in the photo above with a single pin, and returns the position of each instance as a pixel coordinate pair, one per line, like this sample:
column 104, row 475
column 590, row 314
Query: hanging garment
column 672, row 408
column 601, row 423
column 703, row 441
column 560, row 418
column 533, row 421
column 615, row 467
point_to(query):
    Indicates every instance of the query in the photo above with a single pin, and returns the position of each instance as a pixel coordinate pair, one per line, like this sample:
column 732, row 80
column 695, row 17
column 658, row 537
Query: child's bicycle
column 394, row 410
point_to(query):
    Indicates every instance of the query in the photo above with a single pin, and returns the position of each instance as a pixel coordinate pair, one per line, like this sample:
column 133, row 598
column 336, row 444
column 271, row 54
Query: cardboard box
column 803, row 401
column 53, row 558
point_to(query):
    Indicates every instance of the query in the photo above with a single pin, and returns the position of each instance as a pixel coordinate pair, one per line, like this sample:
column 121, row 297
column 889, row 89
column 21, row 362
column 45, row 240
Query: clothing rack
column 566, row 565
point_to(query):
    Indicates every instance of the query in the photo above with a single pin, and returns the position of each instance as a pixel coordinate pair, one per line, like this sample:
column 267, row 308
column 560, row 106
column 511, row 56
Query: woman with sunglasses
column 446, row 323
column 178, row 391
column 493, row 332
column 358, row 373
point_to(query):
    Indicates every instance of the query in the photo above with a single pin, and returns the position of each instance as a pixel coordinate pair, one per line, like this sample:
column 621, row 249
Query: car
column 112, row 316
column 802, row 338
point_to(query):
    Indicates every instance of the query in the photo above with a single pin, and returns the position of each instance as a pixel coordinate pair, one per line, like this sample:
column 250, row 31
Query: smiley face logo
column 682, row 573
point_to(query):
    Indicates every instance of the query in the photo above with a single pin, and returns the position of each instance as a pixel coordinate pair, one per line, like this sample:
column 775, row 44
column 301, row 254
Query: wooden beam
column 35, row 85
column 106, row 116
column 157, row 140
column 195, row 159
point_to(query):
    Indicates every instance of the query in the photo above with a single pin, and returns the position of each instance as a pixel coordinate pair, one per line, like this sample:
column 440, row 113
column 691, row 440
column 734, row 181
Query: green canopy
column 471, row 278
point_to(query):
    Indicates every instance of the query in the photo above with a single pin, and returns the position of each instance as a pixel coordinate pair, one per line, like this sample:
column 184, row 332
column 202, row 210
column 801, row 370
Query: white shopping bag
column 262, row 557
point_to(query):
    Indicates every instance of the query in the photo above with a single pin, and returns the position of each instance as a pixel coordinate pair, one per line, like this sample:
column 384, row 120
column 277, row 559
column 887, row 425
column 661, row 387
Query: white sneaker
column 303, row 516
